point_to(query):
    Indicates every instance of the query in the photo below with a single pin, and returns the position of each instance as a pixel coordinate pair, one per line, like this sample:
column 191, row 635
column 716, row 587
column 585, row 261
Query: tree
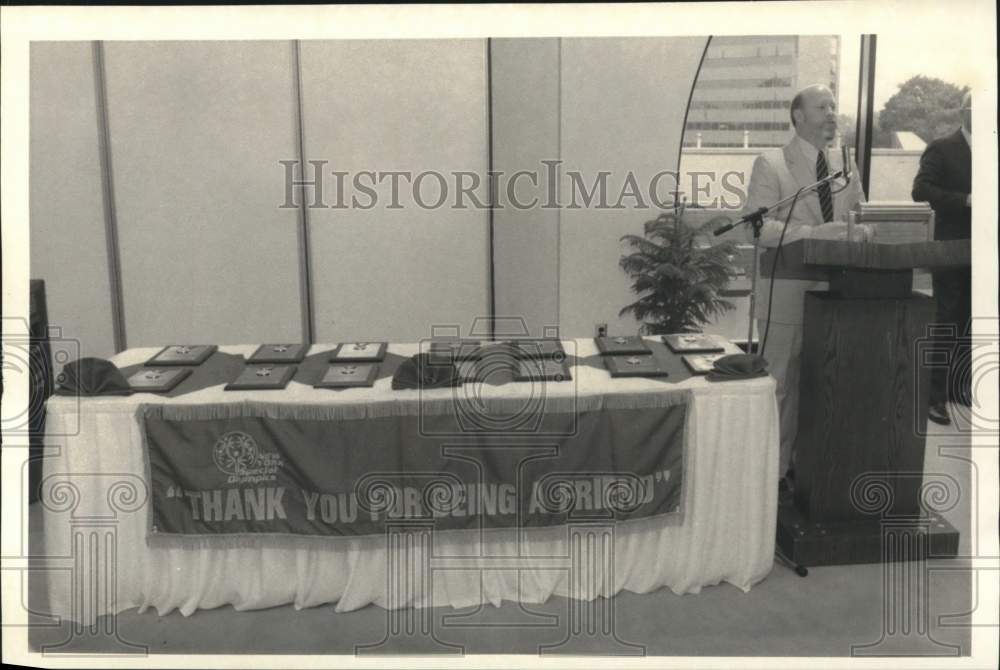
column 848, row 127
column 678, row 276
column 923, row 105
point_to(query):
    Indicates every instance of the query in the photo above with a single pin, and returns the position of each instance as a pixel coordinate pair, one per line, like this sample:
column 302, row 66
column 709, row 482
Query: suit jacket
column 944, row 180
column 777, row 174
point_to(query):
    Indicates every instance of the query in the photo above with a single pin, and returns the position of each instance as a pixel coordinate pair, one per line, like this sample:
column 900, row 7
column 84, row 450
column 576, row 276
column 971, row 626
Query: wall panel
column 396, row 105
column 623, row 106
column 525, row 101
column 68, row 247
column 197, row 132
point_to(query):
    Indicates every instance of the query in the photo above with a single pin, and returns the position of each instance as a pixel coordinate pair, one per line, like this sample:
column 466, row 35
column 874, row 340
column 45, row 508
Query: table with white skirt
column 95, row 505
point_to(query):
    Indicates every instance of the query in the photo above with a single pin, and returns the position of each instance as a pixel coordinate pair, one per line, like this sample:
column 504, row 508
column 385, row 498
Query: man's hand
column 862, row 232
column 837, row 231
column 834, row 230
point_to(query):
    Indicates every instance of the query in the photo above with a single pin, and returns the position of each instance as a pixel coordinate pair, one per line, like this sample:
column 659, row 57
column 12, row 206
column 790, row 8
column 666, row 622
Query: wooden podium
column 863, row 402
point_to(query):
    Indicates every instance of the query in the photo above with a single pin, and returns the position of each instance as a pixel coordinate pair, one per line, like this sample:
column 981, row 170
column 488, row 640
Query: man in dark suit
column 945, row 181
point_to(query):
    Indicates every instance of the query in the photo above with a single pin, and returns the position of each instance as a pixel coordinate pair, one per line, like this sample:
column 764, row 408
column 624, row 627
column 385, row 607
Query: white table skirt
column 95, row 518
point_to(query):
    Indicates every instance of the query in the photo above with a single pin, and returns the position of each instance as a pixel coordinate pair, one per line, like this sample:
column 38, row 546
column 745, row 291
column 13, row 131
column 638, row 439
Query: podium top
column 811, row 259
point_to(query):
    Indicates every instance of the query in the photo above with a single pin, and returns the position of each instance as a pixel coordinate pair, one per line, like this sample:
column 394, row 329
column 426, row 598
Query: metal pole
column 753, row 290
column 308, row 312
column 866, row 110
column 111, row 239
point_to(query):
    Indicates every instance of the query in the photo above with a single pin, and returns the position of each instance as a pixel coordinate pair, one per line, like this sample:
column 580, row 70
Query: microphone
column 743, row 219
column 725, row 228
column 757, row 216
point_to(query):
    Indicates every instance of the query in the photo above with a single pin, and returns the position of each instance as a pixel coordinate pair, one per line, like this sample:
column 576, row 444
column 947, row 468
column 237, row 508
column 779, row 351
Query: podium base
column 809, row 543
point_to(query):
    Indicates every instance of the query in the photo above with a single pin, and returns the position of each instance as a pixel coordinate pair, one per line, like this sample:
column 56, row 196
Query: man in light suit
column 818, row 214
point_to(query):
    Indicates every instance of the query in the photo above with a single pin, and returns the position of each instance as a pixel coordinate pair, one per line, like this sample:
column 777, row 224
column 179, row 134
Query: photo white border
column 949, row 22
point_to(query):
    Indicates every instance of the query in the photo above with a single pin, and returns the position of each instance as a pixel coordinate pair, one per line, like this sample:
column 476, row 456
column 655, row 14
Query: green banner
column 250, row 469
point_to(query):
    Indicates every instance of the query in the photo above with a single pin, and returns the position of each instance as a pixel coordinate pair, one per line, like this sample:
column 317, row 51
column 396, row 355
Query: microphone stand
column 755, row 220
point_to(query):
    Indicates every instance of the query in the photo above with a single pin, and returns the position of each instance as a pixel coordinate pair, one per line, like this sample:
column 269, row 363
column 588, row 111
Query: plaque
column 701, row 364
column 157, row 380
column 279, row 353
column 343, row 375
column 622, row 345
column 693, row 343
column 367, row 352
column 448, row 351
column 542, row 369
column 262, row 378
column 634, row 366
column 183, row 354
column 547, row 348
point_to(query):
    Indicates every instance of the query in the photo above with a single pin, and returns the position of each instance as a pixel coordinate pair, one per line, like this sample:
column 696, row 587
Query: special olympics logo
column 235, row 452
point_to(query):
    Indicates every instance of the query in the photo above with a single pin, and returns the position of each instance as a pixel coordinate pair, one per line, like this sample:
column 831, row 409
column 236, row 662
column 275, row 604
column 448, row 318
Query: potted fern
column 677, row 274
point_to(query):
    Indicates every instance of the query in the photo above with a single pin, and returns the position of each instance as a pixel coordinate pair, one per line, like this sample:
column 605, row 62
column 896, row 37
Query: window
column 741, row 101
column 735, row 84
column 902, row 129
column 740, row 106
column 738, row 125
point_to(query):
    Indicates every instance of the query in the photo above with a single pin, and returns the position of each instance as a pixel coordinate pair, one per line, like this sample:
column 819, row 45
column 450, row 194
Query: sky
column 899, row 56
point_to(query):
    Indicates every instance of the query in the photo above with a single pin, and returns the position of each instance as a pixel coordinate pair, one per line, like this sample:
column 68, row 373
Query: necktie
column 825, row 201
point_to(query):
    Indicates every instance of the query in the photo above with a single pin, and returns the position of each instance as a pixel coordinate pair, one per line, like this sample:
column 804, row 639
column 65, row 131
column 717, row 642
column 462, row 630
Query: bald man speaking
column 819, row 214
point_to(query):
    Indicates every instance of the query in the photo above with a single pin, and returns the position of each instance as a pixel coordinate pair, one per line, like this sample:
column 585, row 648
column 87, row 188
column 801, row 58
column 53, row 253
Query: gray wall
column 597, row 104
column 387, row 273
column 623, row 106
column 196, row 133
column 525, row 87
column 66, row 203
column 197, row 130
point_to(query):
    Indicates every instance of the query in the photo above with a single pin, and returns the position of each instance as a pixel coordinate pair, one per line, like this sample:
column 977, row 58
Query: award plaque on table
column 693, row 343
column 622, row 345
column 345, row 375
column 545, row 349
column 262, row 378
column 182, row 354
column 359, row 352
column 634, row 366
column 701, row 364
column 542, row 369
column 157, row 380
column 447, row 351
column 279, row 353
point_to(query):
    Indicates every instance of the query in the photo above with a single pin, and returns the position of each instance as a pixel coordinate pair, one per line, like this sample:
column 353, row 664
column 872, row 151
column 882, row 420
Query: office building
column 746, row 84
